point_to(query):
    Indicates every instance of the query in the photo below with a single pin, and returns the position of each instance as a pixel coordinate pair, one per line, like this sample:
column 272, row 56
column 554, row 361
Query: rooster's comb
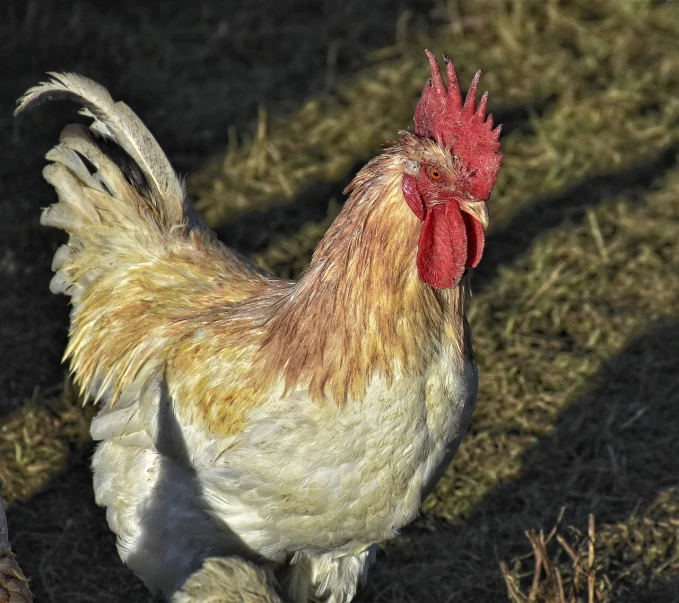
column 462, row 128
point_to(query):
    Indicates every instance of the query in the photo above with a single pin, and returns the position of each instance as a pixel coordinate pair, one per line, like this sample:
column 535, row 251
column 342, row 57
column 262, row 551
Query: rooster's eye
column 435, row 174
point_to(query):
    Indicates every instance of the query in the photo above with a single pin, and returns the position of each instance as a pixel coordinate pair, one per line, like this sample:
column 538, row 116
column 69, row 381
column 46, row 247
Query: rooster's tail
column 116, row 188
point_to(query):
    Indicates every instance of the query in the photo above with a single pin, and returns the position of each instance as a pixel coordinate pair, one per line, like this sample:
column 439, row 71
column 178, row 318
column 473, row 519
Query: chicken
column 13, row 584
column 294, row 424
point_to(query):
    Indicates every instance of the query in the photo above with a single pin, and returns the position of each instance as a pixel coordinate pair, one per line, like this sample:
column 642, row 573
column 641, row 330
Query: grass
column 566, row 487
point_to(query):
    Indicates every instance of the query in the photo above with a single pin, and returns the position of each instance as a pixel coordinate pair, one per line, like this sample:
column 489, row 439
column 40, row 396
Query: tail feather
column 73, row 213
column 69, row 153
column 116, row 188
column 116, row 121
column 102, row 195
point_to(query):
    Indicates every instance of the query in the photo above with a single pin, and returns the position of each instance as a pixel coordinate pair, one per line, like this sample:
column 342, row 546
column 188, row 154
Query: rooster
column 294, row 424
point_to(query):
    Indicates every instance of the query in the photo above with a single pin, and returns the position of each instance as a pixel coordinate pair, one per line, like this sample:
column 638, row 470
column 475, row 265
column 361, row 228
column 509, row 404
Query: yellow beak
column 476, row 209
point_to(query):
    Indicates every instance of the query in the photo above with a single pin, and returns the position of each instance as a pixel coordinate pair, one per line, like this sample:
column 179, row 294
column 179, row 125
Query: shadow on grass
column 612, row 452
column 192, row 71
column 251, row 231
column 506, row 244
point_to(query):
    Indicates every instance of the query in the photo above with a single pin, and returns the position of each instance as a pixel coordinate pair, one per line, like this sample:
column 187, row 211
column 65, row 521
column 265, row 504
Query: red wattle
column 442, row 250
column 475, row 240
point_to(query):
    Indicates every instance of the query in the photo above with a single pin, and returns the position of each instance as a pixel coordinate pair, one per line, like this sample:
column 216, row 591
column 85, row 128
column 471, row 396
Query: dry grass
column 575, row 312
column 578, row 566
column 38, row 440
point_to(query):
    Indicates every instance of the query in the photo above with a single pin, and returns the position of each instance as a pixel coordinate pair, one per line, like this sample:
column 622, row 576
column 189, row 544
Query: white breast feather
column 301, row 478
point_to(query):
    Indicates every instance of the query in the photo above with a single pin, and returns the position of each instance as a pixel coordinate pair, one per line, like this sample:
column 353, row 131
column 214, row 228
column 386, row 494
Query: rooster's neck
column 361, row 309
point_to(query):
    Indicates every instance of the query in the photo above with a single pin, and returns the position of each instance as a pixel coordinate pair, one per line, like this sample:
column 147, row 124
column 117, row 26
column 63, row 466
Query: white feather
column 322, row 483
column 119, row 122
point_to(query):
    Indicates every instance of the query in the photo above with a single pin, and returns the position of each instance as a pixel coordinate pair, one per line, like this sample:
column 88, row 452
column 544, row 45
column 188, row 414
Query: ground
column 270, row 107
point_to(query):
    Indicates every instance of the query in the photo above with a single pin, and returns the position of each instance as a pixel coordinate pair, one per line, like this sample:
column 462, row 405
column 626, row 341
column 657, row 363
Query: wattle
column 450, row 242
column 476, row 240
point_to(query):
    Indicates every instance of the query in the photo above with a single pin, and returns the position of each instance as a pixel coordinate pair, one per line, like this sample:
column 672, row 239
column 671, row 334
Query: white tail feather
column 117, row 121
column 110, row 200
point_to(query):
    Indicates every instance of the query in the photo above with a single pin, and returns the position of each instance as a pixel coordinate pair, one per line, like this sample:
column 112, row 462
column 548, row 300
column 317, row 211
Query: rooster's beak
column 476, row 209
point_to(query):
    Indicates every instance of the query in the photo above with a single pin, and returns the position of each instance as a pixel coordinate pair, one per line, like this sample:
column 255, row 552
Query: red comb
column 463, row 128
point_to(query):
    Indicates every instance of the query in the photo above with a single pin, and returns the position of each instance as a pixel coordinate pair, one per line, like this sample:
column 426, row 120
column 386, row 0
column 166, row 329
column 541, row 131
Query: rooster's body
column 295, row 424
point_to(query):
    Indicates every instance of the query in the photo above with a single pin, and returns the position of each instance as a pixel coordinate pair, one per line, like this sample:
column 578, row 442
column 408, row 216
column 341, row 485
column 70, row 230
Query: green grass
column 575, row 310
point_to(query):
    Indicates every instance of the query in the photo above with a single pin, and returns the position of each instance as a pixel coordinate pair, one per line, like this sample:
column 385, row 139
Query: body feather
column 227, row 580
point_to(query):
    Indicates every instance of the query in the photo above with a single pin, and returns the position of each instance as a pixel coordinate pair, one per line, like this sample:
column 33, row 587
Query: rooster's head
column 450, row 175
